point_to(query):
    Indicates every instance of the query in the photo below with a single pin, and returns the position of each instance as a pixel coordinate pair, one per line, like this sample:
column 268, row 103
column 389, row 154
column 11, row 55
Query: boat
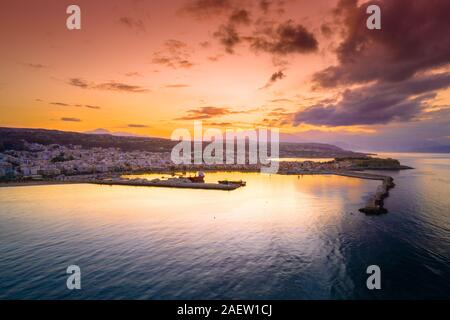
column 227, row 182
column 199, row 178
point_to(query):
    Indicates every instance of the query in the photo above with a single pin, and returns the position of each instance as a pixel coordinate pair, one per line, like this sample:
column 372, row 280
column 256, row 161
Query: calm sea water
column 281, row 237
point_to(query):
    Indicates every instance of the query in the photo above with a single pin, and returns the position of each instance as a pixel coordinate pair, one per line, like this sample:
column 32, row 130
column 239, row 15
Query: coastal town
column 59, row 162
column 55, row 163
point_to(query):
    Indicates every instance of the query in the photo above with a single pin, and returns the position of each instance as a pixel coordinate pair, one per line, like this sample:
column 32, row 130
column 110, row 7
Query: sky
column 310, row 68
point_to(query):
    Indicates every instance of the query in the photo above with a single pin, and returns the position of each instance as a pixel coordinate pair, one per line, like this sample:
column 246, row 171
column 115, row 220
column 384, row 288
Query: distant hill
column 13, row 138
column 115, row 133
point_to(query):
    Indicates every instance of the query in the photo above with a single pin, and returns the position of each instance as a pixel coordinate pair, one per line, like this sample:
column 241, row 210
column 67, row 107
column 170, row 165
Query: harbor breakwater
column 375, row 204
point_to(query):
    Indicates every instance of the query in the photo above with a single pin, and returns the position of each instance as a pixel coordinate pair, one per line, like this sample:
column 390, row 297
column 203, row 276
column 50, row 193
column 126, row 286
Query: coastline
column 36, row 183
column 374, row 205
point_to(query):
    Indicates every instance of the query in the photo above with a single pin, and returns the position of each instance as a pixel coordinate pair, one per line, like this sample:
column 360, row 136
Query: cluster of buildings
column 38, row 161
column 285, row 167
column 299, row 167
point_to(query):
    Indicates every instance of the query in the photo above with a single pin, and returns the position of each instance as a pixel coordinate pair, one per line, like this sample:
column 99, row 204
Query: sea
column 279, row 237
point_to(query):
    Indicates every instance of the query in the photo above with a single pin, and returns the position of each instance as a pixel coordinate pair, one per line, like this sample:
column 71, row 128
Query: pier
column 375, row 204
column 168, row 184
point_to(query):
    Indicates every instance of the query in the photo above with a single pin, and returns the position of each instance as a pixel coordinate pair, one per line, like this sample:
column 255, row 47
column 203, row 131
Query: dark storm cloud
column 228, row 37
column 326, row 30
column 261, row 34
column 277, row 76
column 227, row 34
column 241, row 16
column 283, row 39
column 211, row 8
column 268, row 6
column 414, row 38
column 394, row 65
column 211, row 112
column 279, row 40
column 378, row 103
column 274, row 78
column 207, row 8
column 175, row 54
column 264, row 5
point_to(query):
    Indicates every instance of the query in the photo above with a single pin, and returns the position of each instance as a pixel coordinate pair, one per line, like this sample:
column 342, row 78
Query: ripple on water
column 281, row 237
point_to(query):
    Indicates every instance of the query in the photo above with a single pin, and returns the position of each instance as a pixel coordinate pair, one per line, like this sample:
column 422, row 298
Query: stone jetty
column 375, row 204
